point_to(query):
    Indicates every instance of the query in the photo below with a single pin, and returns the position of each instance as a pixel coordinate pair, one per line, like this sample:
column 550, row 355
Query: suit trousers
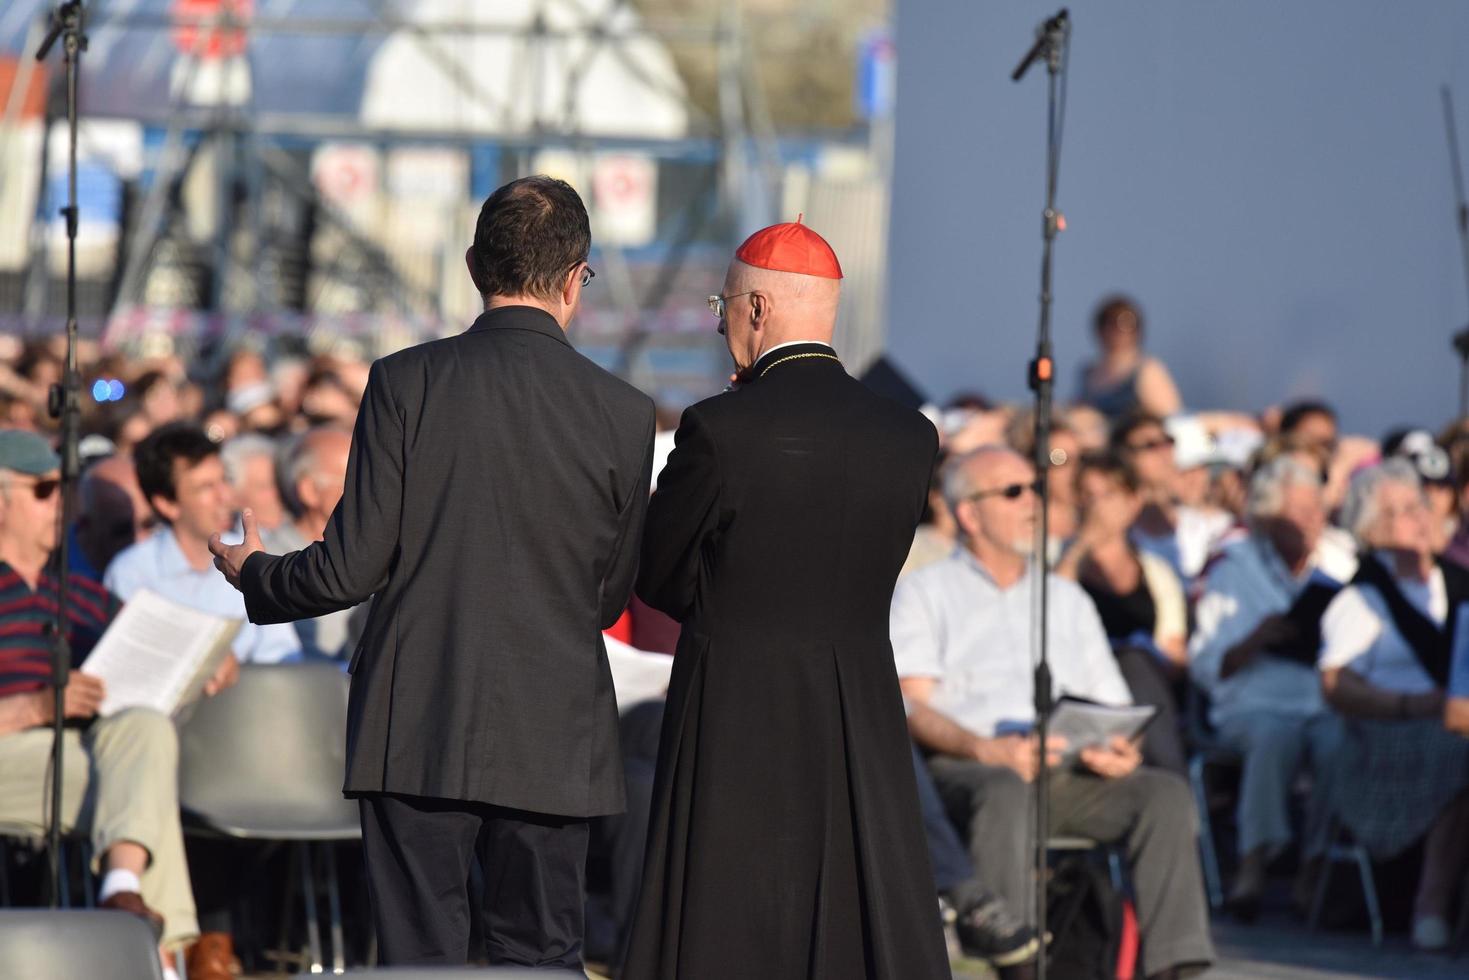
column 419, row 853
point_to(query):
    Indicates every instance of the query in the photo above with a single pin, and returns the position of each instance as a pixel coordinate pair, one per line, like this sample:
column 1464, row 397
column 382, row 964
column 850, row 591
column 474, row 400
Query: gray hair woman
column 1383, row 664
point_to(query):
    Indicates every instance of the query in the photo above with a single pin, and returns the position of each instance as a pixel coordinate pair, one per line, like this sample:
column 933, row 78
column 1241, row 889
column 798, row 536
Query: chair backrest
column 266, row 758
column 38, row 944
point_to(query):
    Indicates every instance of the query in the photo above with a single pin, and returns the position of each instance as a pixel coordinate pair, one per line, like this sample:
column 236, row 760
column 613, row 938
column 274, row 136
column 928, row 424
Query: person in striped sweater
column 120, row 773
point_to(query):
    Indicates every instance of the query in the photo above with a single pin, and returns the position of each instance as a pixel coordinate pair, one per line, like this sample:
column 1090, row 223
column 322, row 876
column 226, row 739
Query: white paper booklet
column 1084, row 725
column 158, row 654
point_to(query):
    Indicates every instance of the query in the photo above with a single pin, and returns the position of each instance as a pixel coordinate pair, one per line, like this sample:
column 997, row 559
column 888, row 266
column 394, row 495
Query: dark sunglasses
column 1165, row 442
column 1011, row 492
column 43, row 489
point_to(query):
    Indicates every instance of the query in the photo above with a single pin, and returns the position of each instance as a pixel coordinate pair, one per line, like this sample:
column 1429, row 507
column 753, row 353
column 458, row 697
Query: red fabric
column 652, row 630
column 790, row 247
column 1127, row 948
column 622, row 629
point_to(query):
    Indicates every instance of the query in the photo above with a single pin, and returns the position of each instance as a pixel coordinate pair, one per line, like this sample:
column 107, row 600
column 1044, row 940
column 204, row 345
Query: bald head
column 764, row 308
column 313, row 474
column 990, row 491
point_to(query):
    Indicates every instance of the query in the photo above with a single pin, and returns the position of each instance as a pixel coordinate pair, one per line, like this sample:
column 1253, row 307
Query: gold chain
column 797, row 357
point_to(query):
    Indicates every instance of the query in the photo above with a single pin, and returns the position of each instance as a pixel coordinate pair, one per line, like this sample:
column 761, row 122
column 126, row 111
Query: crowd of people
column 1265, row 582
column 1273, row 588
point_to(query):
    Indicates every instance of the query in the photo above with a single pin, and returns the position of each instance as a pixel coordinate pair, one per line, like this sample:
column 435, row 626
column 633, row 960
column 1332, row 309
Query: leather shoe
column 212, row 957
column 133, row 904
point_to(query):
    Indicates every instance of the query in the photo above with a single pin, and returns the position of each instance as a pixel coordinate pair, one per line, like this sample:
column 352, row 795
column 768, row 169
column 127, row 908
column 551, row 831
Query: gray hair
column 1359, row 511
column 958, row 480
column 1268, row 485
column 299, row 459
column 238, row 450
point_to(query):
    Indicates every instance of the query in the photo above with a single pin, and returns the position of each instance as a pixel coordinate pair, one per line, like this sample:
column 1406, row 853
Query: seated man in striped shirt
column 120, row 773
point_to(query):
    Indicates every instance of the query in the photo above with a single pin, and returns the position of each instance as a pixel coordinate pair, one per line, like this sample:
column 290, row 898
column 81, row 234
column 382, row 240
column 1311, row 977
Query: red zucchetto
column 790, row 247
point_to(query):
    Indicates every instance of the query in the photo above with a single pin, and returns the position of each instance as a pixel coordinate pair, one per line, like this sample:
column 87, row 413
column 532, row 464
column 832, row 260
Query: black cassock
column 785, row 838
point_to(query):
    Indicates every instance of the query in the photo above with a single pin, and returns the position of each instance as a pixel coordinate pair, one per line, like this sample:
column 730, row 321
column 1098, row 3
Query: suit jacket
column 494, row 501
column 785, row 838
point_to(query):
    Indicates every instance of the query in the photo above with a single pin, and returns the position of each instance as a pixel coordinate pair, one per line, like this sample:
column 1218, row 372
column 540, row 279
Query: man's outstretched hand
column 230, row 559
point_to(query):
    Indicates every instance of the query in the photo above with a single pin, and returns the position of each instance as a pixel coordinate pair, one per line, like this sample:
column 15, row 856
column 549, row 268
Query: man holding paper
column 124, row 767
column 961, row 639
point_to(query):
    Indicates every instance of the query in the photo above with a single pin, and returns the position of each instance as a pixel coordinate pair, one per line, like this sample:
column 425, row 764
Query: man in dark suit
column 786, row 840
column 494, row 502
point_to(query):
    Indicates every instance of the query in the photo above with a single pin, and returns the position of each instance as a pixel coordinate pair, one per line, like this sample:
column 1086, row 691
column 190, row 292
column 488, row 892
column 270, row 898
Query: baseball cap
column 26, row 452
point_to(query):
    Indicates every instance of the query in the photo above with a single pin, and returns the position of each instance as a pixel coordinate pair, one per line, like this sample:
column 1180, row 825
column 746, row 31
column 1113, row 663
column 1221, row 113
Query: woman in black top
column 1136, row 594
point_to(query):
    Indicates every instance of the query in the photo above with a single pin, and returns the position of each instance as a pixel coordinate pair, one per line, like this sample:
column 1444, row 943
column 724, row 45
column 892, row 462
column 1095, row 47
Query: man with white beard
column 961, row 639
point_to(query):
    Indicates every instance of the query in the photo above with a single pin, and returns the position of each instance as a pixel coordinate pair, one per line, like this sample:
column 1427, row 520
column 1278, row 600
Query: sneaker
column 988, row 931
column 1431, row 934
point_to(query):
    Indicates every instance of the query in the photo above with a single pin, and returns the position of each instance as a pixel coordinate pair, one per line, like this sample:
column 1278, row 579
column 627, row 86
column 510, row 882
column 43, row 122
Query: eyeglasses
column 42, row 489
column 1162, row 442
column 1011, row 492
column 716, row 303
column 587, row 275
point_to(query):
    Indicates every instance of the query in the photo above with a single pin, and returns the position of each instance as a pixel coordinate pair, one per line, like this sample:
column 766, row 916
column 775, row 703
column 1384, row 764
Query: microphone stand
column 1052, row 46
column 1461, row 216
column 64, row 403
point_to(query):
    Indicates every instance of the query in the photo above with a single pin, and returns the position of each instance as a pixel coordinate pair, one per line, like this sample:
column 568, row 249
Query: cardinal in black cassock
column 785, row 838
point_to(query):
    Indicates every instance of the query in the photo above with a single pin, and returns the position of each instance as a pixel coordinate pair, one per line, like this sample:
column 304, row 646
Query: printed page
column 1084, row 725
column 153, row 650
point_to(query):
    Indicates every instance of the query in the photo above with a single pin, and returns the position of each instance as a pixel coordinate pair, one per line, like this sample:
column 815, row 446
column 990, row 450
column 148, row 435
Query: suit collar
column 800, row 352
column 521, row 318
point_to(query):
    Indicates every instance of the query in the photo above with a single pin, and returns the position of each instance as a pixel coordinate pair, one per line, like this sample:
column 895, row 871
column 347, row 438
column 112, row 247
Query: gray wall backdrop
column 1270, row 179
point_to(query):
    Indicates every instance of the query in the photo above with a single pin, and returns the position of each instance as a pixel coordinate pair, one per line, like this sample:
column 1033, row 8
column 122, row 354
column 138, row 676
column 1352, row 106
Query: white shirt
column 327, row 635
column 1192, row 540
column 158, row 564
column 1357, row 631
column 1246, row 584
column 952, row 622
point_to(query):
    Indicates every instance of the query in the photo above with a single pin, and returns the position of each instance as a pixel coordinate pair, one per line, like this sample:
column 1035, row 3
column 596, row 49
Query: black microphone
column 59, row 21
column 1042, row 42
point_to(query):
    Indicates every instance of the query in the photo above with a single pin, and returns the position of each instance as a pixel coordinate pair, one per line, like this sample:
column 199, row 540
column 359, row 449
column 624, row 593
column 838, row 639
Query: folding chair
column 265, row 761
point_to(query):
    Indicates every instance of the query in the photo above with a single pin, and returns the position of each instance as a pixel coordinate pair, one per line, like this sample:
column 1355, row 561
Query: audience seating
column 98, row 945
column 265, row 761
column 1115, row 868
column 1206, row 752
column 1341, row 849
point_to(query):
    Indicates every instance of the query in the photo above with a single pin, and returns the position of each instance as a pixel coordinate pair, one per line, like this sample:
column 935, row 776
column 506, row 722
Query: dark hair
column 1108, row 463
column 1129, row 424
column 529, row 235
column 972, row 400
column 1298, row 412
column 1112, row 305
column 155, row 456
